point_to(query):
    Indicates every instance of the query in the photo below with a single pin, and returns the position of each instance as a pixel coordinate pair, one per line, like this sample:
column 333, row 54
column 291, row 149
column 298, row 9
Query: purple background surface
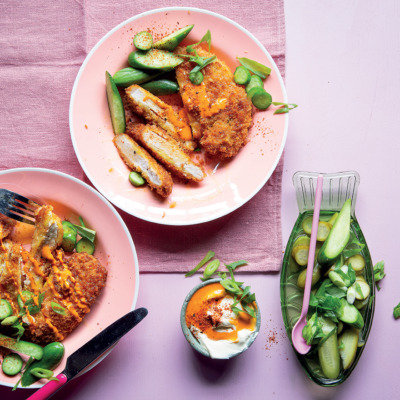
column 342, row 69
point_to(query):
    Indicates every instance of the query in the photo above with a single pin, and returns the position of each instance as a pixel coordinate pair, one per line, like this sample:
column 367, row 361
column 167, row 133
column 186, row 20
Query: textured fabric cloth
column 42, row 46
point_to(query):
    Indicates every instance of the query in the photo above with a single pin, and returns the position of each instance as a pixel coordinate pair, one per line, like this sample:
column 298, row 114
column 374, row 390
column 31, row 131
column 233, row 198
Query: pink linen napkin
column 42, row 46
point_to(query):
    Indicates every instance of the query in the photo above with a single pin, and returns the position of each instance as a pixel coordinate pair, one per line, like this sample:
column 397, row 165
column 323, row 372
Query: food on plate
column 167, row 150
column 220, row 114
column 45, row 292
column 158, row 112
column 115, row 105
column 342, row 296
column 221, row 331
column 170, row 42
column 215, row 111
column 143, row 40
column 220, row 315
column 138, row 159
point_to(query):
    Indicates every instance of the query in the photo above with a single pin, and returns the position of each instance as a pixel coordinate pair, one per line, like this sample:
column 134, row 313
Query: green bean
column 136, row 179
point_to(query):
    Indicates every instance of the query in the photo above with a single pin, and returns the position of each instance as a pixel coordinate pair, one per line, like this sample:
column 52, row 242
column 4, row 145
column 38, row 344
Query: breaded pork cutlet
column 69, row 285
column 139, row 160
column 167, row 150
column 219, row 111
column 156, row 111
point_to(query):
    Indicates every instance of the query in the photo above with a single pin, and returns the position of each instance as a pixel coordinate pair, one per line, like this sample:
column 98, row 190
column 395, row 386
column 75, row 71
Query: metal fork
column 18, row 207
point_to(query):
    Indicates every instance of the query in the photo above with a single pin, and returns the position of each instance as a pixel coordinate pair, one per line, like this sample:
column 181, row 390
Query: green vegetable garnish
column 87, row 233
column 285, row 107
column 58, row 309
column 259, row 69
column 205, row 260
column 206, row 38
column 379, row 272
column 210, row 270
column 195, row 76
column 31, row 306
column 312, row 329
column 43, row 373
column 396, row 311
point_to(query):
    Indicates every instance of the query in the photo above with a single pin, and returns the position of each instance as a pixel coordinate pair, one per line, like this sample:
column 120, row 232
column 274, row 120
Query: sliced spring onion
column 205, row 260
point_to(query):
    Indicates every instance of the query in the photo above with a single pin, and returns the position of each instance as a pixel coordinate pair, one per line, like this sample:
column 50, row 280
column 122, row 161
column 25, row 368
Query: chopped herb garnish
column 236, row 264
column 284, row 107
column 396, row 311
column 205, row 39
column 205, row 260
column 379, row 272
column 210, row 270
column 58, row 309
column 31, row 306
column 231, row 285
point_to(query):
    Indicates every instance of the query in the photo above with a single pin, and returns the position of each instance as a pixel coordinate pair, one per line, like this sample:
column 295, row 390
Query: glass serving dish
column 337, row 188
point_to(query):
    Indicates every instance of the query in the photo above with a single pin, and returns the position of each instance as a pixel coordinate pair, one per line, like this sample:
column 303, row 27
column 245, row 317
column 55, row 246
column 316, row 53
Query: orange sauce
column 207, row 301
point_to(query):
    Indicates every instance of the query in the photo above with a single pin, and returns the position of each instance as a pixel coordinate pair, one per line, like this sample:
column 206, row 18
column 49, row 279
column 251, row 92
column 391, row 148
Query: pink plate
column 227, row 186
column 114, row 248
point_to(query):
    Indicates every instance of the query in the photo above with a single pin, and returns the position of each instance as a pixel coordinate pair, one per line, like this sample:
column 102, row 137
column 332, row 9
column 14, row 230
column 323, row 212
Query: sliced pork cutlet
column 138, row 159
column 48, row 231
column 167, row 150
column 156, row 111
column 218, row 109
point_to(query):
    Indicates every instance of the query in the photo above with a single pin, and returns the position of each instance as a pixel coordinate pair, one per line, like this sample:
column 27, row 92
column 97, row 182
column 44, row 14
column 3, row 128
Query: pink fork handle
column 313, row 242
column 47, row 390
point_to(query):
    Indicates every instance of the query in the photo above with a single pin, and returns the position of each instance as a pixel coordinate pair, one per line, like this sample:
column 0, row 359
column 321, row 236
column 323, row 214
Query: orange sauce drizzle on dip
column 205, row 310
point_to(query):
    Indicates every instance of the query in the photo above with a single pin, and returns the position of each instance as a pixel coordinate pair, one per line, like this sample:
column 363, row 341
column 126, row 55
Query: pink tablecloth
column 43, row 44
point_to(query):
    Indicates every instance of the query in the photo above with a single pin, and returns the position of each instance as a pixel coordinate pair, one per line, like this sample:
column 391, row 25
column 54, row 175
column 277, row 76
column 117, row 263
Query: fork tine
column 27, row 213
column 16, row 217
column 25, row 200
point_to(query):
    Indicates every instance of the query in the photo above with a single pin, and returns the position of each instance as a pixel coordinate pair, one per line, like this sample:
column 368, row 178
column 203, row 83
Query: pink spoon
column 297, row 333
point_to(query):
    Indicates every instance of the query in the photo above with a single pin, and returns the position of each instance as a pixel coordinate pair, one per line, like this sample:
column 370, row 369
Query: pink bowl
column 229, row 185
column 114, row 247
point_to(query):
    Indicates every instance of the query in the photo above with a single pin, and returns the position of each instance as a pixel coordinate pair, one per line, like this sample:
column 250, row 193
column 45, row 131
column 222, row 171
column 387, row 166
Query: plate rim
column 202, row 219
column 125, row 228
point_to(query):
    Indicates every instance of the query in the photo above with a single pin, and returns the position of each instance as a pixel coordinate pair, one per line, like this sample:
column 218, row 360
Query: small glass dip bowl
column 193, row 341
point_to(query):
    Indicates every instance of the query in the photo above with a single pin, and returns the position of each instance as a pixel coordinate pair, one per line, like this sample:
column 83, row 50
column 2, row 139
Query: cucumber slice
column 255, row 81
column 307, row 224
column 300, row 254
column 5, row 309
column 85, row 246
column 29, row 349
column 328, row 352
column 350, row 315
column 359, row 304
column 338, row 237
column 261, row 99
column 143, row 40
column 336, row 279
column 12, row 364
column 161, row 87
column 351, row 294
column 241, row 75
column 131, row 76
column 323, row 231
column 316, row 275
column 115, row 105
column 361, row 289
column 357, row 262
column 154, row 59
column 348, row 343
column 171, row 41
column 301, row 241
